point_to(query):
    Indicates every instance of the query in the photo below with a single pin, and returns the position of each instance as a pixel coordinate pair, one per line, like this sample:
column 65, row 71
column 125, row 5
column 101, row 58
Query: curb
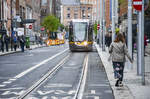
column 12, row 52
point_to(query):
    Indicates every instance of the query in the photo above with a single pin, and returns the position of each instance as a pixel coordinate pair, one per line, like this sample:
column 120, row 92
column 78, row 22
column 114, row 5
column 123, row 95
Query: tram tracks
column 43, row 79
column 82, row 82
column 79, row 88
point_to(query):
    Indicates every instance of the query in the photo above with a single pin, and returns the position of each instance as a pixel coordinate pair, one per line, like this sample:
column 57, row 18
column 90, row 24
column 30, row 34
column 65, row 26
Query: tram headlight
column 76, row 43
column 85, row 43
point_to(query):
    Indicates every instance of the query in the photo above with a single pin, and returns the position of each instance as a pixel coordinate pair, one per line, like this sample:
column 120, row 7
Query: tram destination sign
column 137, row 4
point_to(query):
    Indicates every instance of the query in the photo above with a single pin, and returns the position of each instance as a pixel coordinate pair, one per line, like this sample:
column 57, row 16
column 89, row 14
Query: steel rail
column 82, row 81
column 43, row 79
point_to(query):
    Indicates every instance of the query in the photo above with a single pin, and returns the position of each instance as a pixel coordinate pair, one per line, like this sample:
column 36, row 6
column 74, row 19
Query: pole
column 97, row 23
column 11, row 25
column 113, row 20
column 103, row 45
column 130, row 30
column 142, row 46
column 138, row 47
column 100, row 22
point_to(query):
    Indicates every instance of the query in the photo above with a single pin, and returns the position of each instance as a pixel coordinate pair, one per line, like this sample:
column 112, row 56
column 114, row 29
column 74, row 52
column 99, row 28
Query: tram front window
column 79, row 31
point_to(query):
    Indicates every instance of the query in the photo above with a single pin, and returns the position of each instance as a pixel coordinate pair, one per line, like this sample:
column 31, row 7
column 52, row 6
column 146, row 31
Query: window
column 80, row 31
column 44, row 2
column 68, row 9
column 75, row 9
column 68, row 15
column 89, row 15
column 89, row 8
column 75, row 16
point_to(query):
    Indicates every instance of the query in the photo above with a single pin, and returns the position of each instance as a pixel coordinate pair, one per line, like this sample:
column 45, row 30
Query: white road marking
column 16, row 93
column 60, row 92
column 7, row 82
column 93, row 97
column 44, row 93
column 45, row 97
column 68, row 97
column 13, row 88
column 96, row 97
column 57, row 85
column 83, row 81
column 53, row 97
column 93, row 92
column 36, row 66
column 12, row 79
column 32, row 98
column 2, row 85
column 71, row 92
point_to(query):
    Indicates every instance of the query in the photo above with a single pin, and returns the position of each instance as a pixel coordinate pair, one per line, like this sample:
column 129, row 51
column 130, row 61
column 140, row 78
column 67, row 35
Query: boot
column 117, row 83
column 120, row 84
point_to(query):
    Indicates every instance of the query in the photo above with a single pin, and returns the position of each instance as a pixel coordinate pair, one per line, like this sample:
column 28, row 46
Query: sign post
column 139, row 6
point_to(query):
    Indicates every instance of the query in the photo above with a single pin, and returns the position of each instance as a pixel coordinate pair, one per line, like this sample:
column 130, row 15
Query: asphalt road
column 19, row 71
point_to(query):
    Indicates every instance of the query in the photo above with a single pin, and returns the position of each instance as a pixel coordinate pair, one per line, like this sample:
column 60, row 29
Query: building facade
column 16, row 14
column 75, row 10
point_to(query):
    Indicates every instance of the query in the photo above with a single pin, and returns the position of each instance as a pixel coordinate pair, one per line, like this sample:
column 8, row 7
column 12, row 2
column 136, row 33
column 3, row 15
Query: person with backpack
column 119, row 51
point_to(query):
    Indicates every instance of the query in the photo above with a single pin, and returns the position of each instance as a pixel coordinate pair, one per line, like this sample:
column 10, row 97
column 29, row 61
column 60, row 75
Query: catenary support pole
column 138, row 43
column 97, row 18
column 129, row 30
column 104, row 26
column 142, row 46
column 100, row 22
column 113, row 20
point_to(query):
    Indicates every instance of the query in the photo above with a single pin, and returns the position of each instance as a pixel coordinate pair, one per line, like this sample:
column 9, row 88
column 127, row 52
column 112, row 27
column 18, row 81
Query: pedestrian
column 15, row 42
column 109, row 39
column 0, row 42
column 145, row 43
column 118, row 51
column 6, row 42
column 22, row 43
column 106, row 39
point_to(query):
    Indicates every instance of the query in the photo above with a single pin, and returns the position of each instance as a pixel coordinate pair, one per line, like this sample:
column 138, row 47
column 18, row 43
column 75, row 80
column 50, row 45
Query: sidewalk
column 133, row 88
column 19, row 49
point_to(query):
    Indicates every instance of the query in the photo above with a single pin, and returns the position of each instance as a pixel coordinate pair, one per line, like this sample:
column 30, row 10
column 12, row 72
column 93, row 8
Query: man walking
column 22, row 43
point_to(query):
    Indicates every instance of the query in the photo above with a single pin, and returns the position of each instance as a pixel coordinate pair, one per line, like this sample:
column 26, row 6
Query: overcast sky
column 70, row 2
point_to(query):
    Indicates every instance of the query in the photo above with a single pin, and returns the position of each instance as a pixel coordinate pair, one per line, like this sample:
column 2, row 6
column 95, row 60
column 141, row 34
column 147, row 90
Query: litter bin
column 27, row 42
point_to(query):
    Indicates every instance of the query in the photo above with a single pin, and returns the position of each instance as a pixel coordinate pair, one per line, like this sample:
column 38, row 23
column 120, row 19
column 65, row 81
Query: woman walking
column 118, row 51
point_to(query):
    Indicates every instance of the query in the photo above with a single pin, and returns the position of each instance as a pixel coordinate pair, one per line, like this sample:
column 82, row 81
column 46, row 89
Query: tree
column 51, row 23
column 95, row 28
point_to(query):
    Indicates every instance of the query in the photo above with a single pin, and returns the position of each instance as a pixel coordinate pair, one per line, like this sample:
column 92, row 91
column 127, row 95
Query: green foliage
column 95, row 28
column 121, row 1
column 51, row 23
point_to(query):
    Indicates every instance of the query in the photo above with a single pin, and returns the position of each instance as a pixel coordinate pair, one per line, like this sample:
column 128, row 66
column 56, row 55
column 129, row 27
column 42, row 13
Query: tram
column 80, row 35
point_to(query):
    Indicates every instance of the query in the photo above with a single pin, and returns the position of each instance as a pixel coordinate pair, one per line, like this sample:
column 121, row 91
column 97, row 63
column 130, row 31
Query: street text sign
column 137, row 4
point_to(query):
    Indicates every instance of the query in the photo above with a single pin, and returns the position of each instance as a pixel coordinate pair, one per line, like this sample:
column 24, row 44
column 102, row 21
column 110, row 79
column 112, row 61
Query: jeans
column 118, row 70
